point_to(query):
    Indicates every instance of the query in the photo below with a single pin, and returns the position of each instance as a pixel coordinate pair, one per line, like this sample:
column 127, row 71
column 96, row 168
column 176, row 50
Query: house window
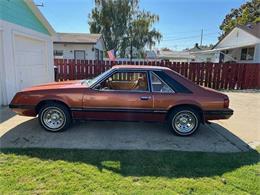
column 79, row 55
column 58, row 53
column 96, row 54
column 247, row 53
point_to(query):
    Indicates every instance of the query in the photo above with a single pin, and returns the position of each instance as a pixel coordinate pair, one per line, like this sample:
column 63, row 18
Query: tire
column 184, row 121
column 54, row 117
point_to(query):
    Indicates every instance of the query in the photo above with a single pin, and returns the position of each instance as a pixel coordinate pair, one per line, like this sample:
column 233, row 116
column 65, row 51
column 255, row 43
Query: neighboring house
column 241, row 45
column 175, row 56
column 201, row 54
column 151, row 55
column 79, row 46
column 26, row 48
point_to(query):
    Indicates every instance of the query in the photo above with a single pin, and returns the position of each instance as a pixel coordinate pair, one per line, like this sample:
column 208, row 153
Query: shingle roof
column 252, row 29
column 76, row 38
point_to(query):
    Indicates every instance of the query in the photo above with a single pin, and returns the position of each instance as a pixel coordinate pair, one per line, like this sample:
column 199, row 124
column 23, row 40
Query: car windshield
column 90, row 82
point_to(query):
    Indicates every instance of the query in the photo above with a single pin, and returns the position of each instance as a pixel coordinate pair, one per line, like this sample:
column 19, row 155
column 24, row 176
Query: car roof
column 140, row 67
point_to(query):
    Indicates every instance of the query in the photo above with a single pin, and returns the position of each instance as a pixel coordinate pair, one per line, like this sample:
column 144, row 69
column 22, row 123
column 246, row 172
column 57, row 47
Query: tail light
column 226, row 102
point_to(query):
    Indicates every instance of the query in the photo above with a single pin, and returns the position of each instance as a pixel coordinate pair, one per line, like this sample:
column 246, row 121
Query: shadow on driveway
column 137, row 149
column 101, row 135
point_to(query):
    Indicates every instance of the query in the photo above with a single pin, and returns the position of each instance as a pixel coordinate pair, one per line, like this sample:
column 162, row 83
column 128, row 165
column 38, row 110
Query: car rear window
column 175, row 85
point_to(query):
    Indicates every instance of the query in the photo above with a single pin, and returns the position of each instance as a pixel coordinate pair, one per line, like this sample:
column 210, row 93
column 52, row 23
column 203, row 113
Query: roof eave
column 39, row 15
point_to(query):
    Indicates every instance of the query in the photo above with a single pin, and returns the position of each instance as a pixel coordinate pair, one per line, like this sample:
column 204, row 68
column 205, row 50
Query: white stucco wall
column 11, row 75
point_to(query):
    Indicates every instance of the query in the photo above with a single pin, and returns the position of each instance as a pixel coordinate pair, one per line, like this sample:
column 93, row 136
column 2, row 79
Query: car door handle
column 145, row 97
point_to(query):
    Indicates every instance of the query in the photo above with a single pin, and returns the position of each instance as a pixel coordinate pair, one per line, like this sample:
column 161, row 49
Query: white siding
column 257, row 53
column 68, row 49
column 238, row 38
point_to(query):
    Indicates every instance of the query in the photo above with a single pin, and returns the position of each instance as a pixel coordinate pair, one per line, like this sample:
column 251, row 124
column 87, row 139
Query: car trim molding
column 101, row 109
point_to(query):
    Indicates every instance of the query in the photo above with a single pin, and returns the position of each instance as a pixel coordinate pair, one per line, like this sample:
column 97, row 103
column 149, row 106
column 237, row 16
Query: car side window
column 125, row 81
column 159, row 86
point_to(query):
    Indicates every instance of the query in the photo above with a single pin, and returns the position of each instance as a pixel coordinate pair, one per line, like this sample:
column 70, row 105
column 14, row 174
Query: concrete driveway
column 18, row 131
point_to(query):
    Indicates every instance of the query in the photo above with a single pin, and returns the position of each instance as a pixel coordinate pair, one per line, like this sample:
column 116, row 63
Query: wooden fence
column 213, row 75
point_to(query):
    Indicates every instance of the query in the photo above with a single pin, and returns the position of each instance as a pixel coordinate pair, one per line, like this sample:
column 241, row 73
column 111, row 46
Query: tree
column 247, row 13
column 123, row 25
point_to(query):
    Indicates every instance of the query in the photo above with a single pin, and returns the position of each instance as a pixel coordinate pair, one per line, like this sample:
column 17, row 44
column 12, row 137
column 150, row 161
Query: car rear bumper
column 218, row 114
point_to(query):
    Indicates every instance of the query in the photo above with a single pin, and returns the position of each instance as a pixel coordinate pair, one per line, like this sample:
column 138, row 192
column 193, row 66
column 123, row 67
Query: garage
column 30, row 57
column 26, row 48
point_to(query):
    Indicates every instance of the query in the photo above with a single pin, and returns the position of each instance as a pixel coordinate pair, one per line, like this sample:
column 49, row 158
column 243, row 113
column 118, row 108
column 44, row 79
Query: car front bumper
column 23, row 110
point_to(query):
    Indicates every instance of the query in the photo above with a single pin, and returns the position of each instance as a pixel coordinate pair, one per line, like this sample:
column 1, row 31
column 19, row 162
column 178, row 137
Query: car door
column 123, row 95
column 163, row 95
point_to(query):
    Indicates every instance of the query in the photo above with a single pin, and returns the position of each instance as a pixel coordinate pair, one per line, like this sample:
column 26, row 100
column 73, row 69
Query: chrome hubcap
column 53, row 118
column 184, row 121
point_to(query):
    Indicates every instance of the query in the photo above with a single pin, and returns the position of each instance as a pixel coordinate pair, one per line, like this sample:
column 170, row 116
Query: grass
column 59, row 171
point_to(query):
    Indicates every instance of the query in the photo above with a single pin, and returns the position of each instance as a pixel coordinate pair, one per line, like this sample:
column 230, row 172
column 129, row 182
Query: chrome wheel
column 53, row 118
column 185, row 122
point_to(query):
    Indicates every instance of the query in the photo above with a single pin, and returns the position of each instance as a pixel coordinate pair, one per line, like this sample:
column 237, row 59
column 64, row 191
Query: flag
column 111, row 55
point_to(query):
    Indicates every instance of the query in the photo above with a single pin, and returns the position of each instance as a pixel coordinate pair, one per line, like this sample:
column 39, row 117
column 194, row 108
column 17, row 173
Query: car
column 124, row 93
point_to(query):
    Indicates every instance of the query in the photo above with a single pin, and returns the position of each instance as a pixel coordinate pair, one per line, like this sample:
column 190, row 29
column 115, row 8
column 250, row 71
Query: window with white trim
column 247, row 53
column 58, row 53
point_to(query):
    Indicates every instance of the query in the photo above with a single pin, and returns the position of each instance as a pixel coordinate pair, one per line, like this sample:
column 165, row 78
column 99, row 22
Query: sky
column 181, row 21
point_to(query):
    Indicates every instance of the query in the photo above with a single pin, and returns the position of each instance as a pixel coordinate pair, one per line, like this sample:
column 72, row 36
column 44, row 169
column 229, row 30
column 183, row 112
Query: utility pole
column 201, row 37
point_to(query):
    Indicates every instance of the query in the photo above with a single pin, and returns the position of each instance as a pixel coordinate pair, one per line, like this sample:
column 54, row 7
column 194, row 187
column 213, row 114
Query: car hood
column 57, row 85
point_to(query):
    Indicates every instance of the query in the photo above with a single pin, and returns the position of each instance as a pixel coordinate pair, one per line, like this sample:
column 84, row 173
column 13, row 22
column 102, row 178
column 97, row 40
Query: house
column 79, row 46
column 241, row 45
column 26, row 48
column 175, row 56
column 201, row 55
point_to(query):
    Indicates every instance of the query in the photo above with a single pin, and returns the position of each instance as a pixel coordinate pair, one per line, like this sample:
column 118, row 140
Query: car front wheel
column 184, row 121
column 54, row 117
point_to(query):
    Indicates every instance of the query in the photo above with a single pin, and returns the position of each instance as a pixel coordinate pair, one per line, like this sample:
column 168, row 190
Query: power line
column 189, row 37
column 198, row 32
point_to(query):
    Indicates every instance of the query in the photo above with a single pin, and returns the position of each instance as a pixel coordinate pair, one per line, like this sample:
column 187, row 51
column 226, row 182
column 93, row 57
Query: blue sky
column 180, row 22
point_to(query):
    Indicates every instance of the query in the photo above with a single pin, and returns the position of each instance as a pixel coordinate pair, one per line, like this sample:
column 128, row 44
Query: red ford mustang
column 128, row 93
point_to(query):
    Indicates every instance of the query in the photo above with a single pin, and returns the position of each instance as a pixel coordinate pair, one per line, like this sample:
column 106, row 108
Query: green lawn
column 59, row 171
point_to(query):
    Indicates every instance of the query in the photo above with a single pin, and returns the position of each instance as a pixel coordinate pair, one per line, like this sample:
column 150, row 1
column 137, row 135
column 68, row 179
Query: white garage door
column 30, row 61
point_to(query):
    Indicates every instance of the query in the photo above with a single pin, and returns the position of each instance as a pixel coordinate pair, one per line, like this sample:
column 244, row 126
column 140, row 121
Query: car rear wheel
column 54, row 117
column 184, row 121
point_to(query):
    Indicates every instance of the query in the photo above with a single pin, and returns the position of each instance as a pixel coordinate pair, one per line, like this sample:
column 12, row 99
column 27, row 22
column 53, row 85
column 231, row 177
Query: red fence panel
column 213, row 75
